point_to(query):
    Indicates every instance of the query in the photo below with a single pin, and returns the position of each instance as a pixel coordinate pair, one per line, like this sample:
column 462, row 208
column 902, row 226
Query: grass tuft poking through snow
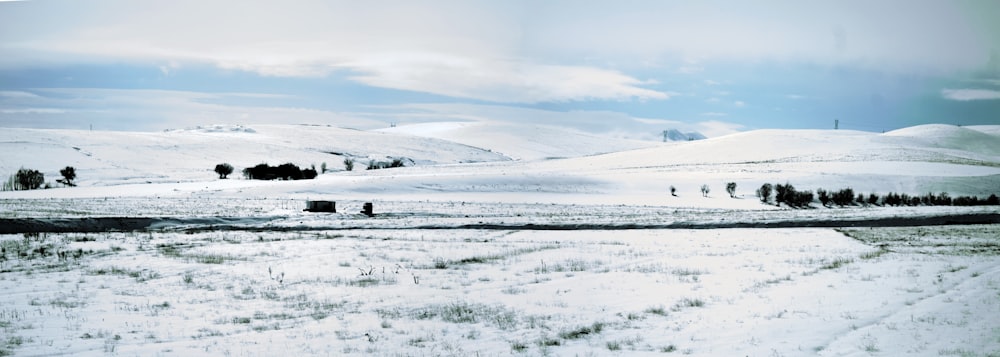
column 582, row 331
column 469, row 313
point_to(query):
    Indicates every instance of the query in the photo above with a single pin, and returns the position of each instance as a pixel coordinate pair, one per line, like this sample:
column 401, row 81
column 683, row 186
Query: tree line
column 787, row 194
column 28, row 179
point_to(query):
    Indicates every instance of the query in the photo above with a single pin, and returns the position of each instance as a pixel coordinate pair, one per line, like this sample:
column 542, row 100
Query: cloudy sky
column 623, row 68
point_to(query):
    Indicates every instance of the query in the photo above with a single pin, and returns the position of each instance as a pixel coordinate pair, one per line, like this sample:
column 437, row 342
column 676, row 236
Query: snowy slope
column 918, row 160
column 521, row 141
column 107, row 157
column 929, row 159
column 925, row 143
column 810, row 159
column 983, row 139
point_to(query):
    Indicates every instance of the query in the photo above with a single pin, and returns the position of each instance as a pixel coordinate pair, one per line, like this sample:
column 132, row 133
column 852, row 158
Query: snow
column 545, row 142
column 699, row 292
column 113, row 158
column 489, row 245
column 977, row 139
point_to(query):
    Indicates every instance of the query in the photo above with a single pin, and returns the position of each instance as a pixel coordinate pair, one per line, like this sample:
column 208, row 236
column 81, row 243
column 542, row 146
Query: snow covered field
column 891, row 291
column 495, row 247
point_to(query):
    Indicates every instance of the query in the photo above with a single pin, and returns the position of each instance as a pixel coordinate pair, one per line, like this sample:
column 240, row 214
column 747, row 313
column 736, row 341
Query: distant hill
column 476, row 164
column 677, row 135
column 118, row 157
column 521, row 141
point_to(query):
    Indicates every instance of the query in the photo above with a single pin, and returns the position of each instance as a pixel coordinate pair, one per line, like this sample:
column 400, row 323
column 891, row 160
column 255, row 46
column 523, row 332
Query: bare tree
column 731, row 189
column 764, row 192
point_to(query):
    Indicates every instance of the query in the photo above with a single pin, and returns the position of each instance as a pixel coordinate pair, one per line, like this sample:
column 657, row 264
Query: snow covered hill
column 520, row 141
column 960, row 161
column 113, row 157
column 933, row 158
column 932, row 143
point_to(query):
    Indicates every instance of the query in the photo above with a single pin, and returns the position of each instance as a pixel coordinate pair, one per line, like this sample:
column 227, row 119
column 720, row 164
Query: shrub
column 223, row 169
column 29, row 179
column 787, row 194
column 284, row 171
column 376, row 165
column 309, row 174
column 322, row 167
column 260, row 172
column 348, row 164
column 942, row 199
column 781, row 193
column 801, row 199
column 673, row 191
column 824, row 197
column 731, row 189
column 843, row 197
column 705, row 190
column 68, row 174
column 764, row 193
column 891, row 199
column 289, row 171
column 873, row 199
column 966, row 201
column 992, row 200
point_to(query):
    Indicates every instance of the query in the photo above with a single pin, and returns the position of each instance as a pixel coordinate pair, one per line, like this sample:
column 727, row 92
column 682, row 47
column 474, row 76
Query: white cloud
column 711, row 82
column 664, row 122
column 690, row 69
column 970, row 94
column 795, row 96
column 713, row 114
column 714, row 128
column 134, row 109
column 457, row 49
column 608, row 123
column 33, row 111
column 935, row 34
column 168, row 68
column 739, row 104
column 308, row 37
column 501, row 81
column 17, row 94
column 712, row 100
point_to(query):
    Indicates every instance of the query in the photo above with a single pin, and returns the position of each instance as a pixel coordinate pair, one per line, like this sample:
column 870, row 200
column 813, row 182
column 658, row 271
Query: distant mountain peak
column 677, row 135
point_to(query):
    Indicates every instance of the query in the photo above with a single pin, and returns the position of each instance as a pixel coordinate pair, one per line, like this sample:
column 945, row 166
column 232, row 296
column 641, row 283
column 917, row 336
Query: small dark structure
column 367, row 209
column 321, row 206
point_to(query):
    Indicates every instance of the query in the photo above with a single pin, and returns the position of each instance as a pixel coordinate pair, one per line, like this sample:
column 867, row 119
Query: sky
column 620, row 68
